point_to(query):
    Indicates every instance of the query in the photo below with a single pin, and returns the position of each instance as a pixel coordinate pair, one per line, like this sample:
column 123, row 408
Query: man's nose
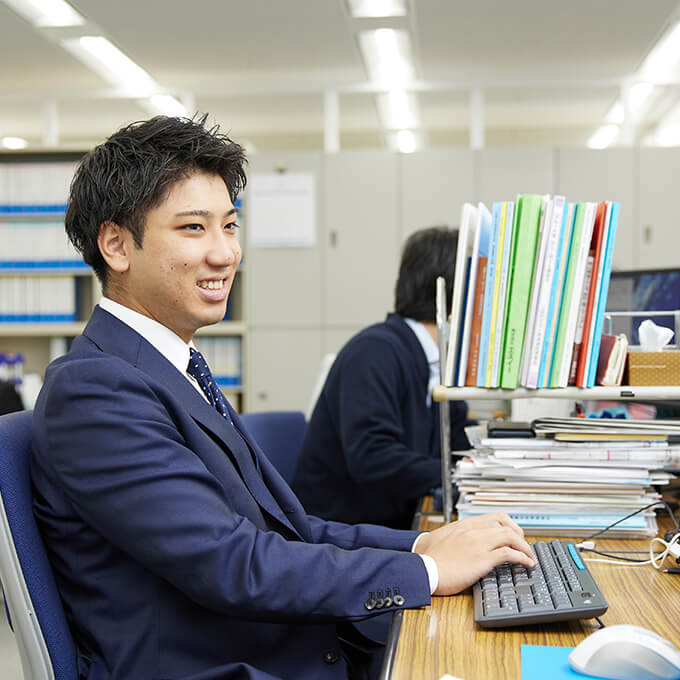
column 224, row 251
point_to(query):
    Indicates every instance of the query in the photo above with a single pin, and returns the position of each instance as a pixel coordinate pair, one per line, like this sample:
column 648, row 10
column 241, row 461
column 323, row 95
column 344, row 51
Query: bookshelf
column 33, row 190
column 620, row 393
column 443, row 394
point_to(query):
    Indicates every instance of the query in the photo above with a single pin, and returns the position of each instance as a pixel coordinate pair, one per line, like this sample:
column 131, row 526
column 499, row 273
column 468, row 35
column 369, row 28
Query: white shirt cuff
column 430, row 565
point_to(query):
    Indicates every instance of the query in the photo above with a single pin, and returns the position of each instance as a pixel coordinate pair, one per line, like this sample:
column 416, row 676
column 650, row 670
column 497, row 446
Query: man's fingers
column 507, row 553
column 506, row 537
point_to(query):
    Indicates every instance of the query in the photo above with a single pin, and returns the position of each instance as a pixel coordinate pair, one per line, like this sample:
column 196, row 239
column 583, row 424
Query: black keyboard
column 559, row 587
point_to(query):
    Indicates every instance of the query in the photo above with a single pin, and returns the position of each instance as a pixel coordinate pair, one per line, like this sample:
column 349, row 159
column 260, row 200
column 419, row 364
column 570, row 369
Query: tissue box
column 654, row 368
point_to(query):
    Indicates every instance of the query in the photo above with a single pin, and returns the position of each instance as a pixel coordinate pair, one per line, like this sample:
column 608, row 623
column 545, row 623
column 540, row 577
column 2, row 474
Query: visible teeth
column 211, row 285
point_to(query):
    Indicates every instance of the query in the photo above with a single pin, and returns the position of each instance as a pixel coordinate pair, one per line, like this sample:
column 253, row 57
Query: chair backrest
column 279, row 435
column 43, row 637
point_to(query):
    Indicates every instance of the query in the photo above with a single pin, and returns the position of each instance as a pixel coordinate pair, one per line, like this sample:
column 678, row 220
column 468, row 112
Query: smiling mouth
column 212, row 284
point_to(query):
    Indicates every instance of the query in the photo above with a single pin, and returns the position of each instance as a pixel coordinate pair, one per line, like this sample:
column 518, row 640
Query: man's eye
column 193, row 227
column 232, row 226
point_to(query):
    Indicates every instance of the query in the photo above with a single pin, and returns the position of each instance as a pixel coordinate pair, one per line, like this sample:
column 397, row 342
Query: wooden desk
column 443, row 638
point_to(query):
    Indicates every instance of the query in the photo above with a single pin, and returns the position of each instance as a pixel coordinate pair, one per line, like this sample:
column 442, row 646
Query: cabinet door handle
column 333, row 239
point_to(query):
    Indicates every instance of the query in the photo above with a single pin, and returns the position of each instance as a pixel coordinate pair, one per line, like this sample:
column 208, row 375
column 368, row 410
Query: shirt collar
column 426, row 342
column 170, row 345
column 431, row 355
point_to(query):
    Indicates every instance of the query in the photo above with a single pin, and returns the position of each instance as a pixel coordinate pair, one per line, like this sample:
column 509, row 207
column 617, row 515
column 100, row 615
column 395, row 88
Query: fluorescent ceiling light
column 662, row 62
column 640, row 94
column 398, row 110
column 406, row 141
column 13, row 143
column 387, row 55
column 109, row 62
column 360, row 9
column 615, row 114
column 667, row 135
column 45, row 13
column 603, row 137
column 168, row 105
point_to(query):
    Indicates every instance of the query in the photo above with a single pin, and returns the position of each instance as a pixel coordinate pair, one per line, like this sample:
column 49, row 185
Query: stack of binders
column 573, row 478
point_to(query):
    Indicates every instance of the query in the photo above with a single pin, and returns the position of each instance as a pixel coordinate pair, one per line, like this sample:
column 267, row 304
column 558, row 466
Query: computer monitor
column 643, row 290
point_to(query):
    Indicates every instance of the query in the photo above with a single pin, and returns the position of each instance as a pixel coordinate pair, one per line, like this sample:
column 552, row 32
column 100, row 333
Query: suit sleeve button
column 370, row 604
column 331, row 656
column 398, row 600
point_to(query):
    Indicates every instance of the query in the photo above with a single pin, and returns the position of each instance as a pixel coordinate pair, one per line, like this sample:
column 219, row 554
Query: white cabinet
column 282, row 366
column 433, row 185
column 657, row 242
column 609, row 174
column 361, row 245
column 284, row 283
column 504, row 173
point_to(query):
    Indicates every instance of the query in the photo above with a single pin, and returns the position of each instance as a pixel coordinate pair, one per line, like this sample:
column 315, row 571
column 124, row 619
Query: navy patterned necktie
column 198, row 369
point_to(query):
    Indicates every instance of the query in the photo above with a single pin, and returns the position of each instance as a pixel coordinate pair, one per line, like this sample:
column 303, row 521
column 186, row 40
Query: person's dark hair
column 133, row 171
column 427, row 254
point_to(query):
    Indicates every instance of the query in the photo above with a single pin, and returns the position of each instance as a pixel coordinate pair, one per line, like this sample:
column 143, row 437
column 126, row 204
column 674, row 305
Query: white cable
column 671, row 548
column 619, row 563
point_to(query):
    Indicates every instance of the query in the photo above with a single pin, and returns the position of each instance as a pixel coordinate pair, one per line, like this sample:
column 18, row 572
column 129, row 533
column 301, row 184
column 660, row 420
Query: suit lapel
column 117, row 338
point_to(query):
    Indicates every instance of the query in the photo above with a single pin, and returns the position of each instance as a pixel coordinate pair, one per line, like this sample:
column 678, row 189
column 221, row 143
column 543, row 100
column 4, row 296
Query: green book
column 520, row 276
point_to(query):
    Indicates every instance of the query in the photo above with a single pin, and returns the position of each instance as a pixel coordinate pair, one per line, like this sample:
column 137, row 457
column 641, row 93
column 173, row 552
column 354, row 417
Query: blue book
column 555, row 299
column 604, row 290
column 553, row 520
column 488, row 295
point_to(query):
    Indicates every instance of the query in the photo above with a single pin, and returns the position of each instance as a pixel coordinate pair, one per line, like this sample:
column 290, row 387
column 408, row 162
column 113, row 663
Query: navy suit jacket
column 174, row 557
column 372, row 444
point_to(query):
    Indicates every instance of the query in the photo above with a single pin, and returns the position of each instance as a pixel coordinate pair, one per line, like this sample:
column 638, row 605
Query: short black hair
column 133, row 171
column 427, row 254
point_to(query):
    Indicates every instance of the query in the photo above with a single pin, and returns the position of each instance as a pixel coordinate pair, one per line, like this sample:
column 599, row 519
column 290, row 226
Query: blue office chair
column 37, row 617
column 280, row 435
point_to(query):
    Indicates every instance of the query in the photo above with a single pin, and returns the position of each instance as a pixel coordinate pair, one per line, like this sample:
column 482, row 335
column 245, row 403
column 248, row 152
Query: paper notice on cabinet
column 280, row 210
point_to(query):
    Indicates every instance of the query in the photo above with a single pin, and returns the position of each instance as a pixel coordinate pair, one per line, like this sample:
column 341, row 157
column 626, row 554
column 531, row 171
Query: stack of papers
column 570, row 488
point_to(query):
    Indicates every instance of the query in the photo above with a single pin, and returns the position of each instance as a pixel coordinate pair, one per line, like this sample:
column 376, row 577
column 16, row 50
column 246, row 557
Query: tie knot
column 198, row 369
column 198, row 366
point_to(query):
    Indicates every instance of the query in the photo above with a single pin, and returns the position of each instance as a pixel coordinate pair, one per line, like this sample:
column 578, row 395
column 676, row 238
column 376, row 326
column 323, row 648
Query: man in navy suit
column 372, row 446
column 178, row 550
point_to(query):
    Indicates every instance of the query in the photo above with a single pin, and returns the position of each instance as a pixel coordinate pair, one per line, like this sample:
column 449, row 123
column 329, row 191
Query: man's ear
column 114, row 244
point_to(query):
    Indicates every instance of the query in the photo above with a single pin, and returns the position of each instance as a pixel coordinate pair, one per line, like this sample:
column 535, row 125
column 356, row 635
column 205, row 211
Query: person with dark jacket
column 372, row 447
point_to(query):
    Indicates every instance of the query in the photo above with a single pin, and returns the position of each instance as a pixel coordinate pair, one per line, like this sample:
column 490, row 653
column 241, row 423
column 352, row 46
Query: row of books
column 223, row 355
column 575, row 488
column 32, row 184
column 530, row 288
column 38, row 298
column 37, row 246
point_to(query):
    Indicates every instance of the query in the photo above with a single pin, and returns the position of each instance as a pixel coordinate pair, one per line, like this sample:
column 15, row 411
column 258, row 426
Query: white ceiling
column 550, row 69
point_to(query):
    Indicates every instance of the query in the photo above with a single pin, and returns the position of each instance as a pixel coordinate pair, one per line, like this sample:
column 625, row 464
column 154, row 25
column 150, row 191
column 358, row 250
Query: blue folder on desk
column 540, row 662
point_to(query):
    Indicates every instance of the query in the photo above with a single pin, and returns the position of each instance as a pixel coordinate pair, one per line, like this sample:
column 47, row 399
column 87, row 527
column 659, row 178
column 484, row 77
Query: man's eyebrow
column 198, row 212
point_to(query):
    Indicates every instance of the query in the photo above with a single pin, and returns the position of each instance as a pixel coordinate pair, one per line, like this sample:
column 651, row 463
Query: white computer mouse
column 626, row 652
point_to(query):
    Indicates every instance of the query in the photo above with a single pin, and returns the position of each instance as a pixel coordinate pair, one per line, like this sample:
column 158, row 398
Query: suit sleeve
column 370, row 423
column 114, row 450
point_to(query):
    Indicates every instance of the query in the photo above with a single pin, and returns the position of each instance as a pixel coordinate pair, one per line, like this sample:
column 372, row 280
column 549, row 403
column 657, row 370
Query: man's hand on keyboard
column 467, row 550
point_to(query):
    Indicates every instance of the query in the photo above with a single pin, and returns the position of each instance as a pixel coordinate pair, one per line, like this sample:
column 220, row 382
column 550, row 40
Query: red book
column 596, row 253
column 476, row 326
column 612, row 359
